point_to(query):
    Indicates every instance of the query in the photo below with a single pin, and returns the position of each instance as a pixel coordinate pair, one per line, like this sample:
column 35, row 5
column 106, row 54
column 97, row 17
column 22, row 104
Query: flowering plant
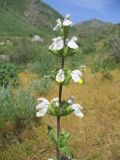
column 61, row 47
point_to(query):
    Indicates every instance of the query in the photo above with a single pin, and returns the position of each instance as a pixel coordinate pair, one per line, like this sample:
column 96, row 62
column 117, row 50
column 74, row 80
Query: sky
column 82, row 10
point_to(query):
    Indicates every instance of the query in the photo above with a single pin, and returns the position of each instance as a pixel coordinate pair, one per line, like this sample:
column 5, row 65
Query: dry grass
column 95, row 137
column 26, row 79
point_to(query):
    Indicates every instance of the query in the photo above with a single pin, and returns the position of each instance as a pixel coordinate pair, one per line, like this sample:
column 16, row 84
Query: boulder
column 37, row 38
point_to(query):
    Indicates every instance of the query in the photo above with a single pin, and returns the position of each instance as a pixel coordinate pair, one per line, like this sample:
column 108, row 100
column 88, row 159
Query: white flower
column 76, row 76
column 67, row 21
column 57, row 44
column 58, row 26
column 77, row 110
column 72, row 43
column 60, row 77
column 76, row 107
column 56, row 101
column 42, row 107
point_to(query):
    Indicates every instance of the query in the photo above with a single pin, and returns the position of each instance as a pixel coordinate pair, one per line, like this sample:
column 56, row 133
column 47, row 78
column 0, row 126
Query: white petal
column 74, row 39
column 76, row 105
column 41, row 112
column 78, row 113
column 41, row 99
column 77, row 110
column 56, row 100
column 72, row 44
column 58, row 26
column 57, row 44
column 77, row 72
column 67, row 22
column 76, row 76
column 41, row 105
column 60, row 77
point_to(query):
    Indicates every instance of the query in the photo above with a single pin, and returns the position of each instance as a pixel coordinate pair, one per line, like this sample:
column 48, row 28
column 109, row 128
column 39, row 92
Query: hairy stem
column 58, row 118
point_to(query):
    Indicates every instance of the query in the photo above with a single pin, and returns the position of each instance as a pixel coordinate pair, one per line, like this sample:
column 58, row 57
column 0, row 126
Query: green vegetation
column 8, row 75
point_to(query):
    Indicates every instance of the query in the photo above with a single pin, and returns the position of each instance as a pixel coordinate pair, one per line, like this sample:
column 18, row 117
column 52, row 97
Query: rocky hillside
column 26, row 17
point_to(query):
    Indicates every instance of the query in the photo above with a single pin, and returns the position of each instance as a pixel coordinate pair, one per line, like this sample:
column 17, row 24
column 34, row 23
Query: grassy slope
column 13, row 25
column 13, row 22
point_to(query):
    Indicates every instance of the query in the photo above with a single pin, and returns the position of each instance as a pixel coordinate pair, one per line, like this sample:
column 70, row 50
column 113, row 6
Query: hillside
column 93, row 23
column 96, row 30
column 20, row 20
column 26, row 17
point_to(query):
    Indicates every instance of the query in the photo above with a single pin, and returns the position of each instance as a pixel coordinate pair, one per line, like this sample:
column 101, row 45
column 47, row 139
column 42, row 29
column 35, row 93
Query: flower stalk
column 58, row 107
column 58, row 118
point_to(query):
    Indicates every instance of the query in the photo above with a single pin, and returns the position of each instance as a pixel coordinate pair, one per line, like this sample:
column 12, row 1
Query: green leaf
column 63, row 139
column 65, row 150
column 62, row 110
column 53, row 136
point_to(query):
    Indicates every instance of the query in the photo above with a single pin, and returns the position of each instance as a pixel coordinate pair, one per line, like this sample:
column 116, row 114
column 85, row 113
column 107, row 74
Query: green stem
column 58, row 118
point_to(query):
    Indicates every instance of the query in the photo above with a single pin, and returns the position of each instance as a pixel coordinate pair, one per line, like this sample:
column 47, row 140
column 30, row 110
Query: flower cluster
column 75, row 74
column 44, row 106
column 62, row 46
column 66, row 23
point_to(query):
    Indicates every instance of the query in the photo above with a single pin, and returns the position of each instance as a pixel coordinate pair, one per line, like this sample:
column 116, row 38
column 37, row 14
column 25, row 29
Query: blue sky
column 81, row 10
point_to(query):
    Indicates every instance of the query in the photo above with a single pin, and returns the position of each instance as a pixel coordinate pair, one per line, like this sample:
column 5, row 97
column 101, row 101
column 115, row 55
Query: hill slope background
column 21, row 20
column 26, row 17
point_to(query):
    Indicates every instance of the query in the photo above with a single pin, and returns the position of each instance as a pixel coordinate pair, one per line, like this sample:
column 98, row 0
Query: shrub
column 8, row 74
column 104, row 65
column 17, row 111
column 115, row 150
column 88, row 48
column 41, row 87
column 115, row 47
column 43, row 67
column 108, row 64
column 106, row 75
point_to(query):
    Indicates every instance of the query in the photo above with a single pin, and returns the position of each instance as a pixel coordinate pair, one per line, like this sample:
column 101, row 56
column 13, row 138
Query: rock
column 4, row 57
column 37, row 38
column 2, row 43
